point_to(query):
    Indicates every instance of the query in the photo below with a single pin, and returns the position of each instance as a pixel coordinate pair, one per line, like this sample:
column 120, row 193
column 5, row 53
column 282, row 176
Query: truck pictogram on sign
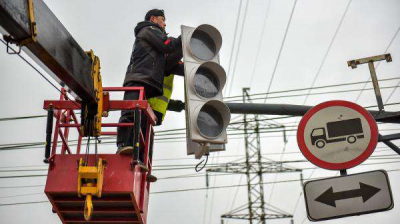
column 338, row 131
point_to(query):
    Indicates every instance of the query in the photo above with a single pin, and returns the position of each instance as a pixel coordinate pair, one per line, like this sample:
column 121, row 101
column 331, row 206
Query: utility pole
column 254, row 166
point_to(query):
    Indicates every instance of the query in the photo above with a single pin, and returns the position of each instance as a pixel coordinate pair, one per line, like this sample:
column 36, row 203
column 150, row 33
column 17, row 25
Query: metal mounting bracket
column 32, row 28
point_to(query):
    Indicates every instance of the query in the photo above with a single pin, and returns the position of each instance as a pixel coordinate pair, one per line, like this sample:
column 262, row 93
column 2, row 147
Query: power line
column 328, row 50
column 231, row 98
column 31, row 65
column 202, row 188
column 25, row 203
column 24, row 186
column 380, row 150
column 236, row 194
column 313, row 88
column 33, row 144
column 239, row 44
column 391, row 94
column 24, row 176
column 260, row 42
column 37, row 70
column 190, row 166
column 19, row 195
column 21, row 118
column 280, row 50
column 234, row 39
column 181, row 139
column 242, row 185
column 320, row 93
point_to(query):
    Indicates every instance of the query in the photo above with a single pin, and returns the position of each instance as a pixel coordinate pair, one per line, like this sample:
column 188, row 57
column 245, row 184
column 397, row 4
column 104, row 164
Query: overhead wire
column 280, row 49
column 313, row 88
column 31, row 65
column 391, row 94
column 236, row 194
column 232, row 181
column 40, row 73
column 238, row 48
column 217, row 165
column 380, row 149
column 167, row 139
column 23, row 186
column 21, row 118
column 231, row 98
column 264, row 25
column 229, row 186
column 24, row 203
column 205, row 188
column 328, row 50
column 33, row 144
column 318, row 93
column 234, row 39
column 212, row 194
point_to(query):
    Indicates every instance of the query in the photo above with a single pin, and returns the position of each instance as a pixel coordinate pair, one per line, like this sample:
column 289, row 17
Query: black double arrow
column 329, row 197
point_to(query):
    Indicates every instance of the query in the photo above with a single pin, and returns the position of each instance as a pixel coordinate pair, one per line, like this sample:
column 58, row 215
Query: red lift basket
column 125, row 192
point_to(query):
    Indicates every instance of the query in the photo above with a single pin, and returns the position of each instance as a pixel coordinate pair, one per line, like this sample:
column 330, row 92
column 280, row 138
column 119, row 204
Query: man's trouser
column 125, row 135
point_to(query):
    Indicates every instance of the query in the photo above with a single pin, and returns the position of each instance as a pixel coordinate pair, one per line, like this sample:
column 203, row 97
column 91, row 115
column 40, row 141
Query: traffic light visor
column 208, row 80
column 205, row 42
column 212, row 119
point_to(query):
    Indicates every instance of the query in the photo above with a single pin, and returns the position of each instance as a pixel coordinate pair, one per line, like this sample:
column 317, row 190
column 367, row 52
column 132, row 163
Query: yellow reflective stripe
column 165, row 86
column 163, row 98
column 167, row 93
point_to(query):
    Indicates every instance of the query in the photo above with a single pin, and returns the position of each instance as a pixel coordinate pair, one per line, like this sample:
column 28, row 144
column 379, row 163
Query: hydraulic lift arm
column 52, row 46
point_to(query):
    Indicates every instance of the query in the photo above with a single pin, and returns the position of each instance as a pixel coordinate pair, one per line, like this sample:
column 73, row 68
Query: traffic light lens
column 206, row 83
column 202, row 45
column 210, row 121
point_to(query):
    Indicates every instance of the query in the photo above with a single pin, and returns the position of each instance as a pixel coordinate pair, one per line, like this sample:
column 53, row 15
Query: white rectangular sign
column 349, row 195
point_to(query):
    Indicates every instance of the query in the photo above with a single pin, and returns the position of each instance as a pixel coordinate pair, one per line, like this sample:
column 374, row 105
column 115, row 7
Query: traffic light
column 206, row 115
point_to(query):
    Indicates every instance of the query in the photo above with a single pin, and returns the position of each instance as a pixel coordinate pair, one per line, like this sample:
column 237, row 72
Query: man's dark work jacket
column 152, row 55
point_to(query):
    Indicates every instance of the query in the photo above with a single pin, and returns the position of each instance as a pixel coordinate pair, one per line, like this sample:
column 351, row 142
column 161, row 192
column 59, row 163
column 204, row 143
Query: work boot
column 150, row 178
column 141, row 165
column 125, row 150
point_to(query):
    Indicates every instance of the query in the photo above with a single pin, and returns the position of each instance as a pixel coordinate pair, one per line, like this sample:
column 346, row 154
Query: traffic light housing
column 207, row 117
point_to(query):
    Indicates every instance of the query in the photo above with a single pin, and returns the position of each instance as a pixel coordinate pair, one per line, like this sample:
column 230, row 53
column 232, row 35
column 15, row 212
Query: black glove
column 176, row 105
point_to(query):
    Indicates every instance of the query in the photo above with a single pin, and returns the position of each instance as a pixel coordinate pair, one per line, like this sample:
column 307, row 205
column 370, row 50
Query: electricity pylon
column 256, row 210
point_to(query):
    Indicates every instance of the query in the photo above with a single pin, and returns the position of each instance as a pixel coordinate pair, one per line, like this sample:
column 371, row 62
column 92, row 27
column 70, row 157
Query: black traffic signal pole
column 299, row 110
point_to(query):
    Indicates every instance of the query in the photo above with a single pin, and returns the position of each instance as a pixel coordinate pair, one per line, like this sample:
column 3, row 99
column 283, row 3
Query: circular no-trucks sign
column 337, row 135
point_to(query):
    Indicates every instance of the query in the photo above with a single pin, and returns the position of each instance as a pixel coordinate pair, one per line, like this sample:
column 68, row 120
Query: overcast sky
column 269, row 54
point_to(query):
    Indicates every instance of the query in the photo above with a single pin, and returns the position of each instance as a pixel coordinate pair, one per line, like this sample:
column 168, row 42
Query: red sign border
column 337, row 166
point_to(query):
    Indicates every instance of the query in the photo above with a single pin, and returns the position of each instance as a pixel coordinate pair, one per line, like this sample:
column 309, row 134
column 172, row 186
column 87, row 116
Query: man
column 148, row 63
